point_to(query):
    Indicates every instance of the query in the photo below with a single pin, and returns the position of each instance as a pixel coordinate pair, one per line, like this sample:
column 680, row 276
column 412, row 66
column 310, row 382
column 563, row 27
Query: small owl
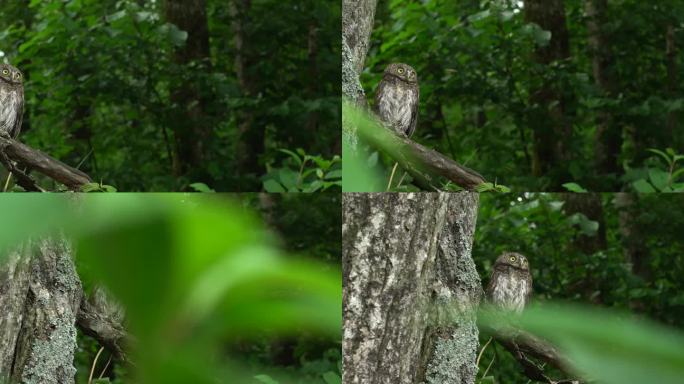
column 396, row 98
column 11, row 100
column 510, row 286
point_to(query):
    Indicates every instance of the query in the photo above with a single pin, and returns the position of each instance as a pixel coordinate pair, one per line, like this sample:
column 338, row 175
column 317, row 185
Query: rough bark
column 191, row 130
column 551, row 130
column 42, row 303
column 409, row 288
column 40, row 289
column 608, row 137
column 358, row 17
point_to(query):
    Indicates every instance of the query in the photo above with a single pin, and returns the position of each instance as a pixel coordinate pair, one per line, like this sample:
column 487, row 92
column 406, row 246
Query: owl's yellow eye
column 400, row 70
column 5, row 72
column 512, row 258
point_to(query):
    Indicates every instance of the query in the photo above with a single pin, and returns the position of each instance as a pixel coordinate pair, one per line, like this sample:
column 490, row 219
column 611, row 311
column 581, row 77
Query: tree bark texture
column 551, row 130
column 358, row 17
column 410, row 288
column 42, row 302
column 40, row 294
column 191, row 131
column 608, row 137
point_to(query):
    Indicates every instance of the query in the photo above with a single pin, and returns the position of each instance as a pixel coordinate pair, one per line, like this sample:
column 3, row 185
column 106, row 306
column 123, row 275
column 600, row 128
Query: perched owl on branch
column 396, row 98
column 11, row 100
column 510, row 286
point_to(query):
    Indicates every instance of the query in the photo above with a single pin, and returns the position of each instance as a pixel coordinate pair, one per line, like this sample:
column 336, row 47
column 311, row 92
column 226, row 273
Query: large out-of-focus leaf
column 26, row 215
column 607, row 347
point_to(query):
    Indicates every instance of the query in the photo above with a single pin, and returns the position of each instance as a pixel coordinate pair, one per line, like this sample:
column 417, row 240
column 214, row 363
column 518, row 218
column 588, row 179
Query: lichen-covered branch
column 71, row 177
column 358, row 17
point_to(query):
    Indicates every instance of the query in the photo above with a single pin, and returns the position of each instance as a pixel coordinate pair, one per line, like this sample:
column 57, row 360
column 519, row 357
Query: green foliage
column 193, row 272
column 101, row 76
column 477, row 71
column 574, row 187
column 656, row 177
column 300, row 172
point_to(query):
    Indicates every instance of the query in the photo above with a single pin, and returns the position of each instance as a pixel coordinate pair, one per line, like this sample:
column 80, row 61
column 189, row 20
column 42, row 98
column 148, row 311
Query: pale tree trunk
column 42, row 303
column 608, row 137
column 358, row 17
column 410, row 288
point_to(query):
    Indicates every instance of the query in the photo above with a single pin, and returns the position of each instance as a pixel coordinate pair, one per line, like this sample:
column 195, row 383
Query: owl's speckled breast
column 395, row 105
column 10, row 107
column 510, row 292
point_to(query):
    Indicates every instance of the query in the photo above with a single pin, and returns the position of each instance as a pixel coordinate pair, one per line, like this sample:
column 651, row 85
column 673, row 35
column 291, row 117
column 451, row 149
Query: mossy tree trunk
column 41, row 304
column 40, row 294
column 358, row 17
column 409, row 288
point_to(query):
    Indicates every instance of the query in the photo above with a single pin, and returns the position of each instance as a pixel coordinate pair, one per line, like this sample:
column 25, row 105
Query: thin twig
column 105, row 367
column 92, row 368
column 489, row 366
column 477, row 363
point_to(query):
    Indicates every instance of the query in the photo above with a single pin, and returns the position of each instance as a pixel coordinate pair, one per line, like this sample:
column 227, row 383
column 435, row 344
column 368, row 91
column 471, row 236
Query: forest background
column 539, row 94
column 178, row 95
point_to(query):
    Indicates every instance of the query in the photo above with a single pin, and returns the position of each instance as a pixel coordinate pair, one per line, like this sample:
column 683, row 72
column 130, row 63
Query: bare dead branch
column 13, row 150
column 425, row 165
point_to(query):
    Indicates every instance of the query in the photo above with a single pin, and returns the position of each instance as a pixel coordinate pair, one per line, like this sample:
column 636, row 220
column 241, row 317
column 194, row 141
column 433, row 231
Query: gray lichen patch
column 51, row 361
column 453, row 358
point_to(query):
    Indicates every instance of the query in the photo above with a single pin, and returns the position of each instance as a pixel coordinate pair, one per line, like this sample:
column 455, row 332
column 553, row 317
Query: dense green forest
column 230, row 288
column 147, row 95
column 617, row 251
column 536, row 94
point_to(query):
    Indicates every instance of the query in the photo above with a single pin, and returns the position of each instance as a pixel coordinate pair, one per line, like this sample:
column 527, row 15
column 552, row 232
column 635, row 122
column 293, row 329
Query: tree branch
column 102, row 319
column 425, row 165
column 522, row 344
column 13, row 150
